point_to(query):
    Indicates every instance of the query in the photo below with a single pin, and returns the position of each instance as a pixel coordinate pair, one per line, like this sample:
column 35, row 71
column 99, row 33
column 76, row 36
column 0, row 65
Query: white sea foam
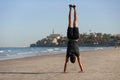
column 9, row 50
column 99, row 48
column 1, row 51
column 50, row 50
column 24, row 53
column 57, row 49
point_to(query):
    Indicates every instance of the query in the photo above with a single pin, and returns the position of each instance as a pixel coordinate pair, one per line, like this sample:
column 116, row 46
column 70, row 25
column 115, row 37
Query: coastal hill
column 91, row 39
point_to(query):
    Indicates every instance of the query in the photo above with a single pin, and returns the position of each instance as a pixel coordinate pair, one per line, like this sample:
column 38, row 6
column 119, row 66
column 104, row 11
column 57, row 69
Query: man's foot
column 70, row 5
column 73, row 6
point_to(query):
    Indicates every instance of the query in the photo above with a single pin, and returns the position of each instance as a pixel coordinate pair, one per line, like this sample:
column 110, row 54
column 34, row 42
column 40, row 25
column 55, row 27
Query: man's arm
column 80, row 64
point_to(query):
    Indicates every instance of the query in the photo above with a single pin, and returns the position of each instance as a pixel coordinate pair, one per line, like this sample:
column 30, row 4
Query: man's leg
column 75, row 22
column 70, row 17
column 70, row 25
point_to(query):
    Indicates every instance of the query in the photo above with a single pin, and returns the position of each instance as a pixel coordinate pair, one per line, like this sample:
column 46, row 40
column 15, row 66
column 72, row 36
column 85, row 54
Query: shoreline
column 18, row 53
column 98, row 65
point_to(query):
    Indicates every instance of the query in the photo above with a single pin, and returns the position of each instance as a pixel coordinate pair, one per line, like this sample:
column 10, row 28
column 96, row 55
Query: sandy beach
column 98, row 65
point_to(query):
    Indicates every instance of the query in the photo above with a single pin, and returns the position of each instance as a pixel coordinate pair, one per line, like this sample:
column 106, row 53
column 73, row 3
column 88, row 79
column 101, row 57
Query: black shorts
column 73, row 33
column 72, row 46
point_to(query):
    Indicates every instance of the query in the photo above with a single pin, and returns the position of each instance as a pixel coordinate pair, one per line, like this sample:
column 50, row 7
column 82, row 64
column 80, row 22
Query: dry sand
column 98, row 65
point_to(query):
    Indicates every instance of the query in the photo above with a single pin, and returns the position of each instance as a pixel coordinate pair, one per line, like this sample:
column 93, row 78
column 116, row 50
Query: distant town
column 91, row 39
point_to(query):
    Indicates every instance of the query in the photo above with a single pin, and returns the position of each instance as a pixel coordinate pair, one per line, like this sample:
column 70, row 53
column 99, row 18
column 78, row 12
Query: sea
column 13, row 53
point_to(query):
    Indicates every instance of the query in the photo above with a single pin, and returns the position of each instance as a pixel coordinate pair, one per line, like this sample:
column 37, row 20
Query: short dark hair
column 72, row 58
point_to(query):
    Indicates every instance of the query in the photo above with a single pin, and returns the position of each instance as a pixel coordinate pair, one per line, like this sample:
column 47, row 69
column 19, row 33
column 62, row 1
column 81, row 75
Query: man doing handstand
column 73, row 36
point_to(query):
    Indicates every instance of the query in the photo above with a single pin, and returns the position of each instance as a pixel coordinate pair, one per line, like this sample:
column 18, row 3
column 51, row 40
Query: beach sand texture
column 98, row 65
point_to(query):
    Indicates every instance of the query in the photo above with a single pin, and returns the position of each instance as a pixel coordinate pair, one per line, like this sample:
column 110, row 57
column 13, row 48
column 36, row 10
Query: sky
column 23, row 22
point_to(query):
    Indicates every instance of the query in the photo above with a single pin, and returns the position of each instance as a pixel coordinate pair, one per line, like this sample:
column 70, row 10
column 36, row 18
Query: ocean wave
column 50, row 50
column 26, row 53
column 99, row 48
column 1, row 51
column 9, row 50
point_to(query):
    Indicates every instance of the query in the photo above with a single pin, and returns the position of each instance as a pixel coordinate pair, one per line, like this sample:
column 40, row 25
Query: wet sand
column 98, row 65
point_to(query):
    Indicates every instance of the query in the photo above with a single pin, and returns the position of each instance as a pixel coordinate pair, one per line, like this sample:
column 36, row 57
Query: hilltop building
column 51, row 40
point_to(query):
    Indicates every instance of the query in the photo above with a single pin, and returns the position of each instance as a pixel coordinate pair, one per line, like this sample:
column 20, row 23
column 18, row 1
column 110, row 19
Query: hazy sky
column 23, row 22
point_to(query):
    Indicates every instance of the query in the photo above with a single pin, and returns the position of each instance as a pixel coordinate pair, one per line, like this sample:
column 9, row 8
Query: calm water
column 12, row 53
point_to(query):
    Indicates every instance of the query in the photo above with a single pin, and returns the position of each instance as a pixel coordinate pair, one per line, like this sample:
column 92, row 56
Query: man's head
column 72, row 58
